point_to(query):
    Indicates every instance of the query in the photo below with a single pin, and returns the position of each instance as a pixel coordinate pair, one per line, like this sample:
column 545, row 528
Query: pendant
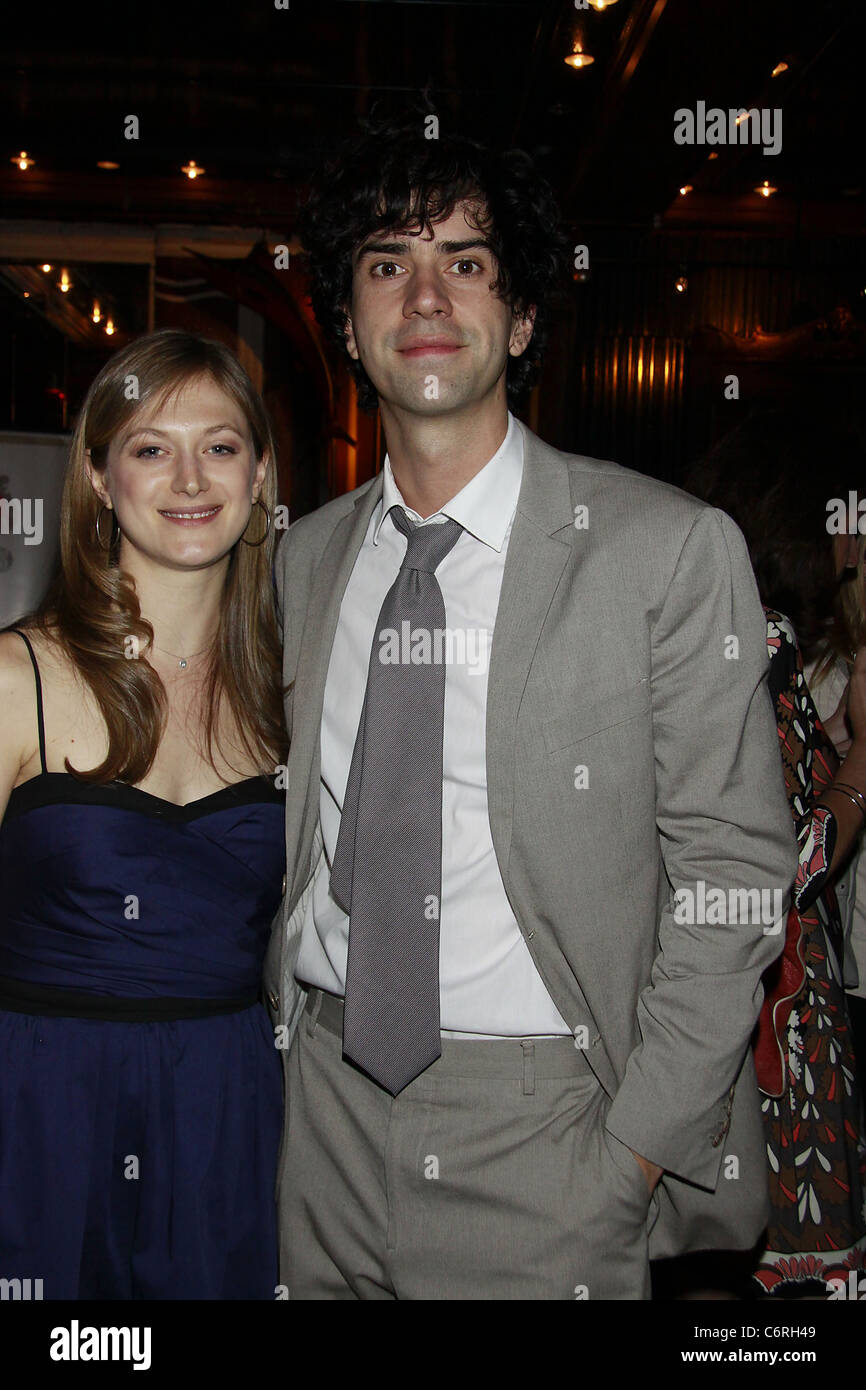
column 182, row 663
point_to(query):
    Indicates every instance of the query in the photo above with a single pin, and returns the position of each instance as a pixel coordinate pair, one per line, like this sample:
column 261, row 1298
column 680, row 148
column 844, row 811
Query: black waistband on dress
column 49, row 1001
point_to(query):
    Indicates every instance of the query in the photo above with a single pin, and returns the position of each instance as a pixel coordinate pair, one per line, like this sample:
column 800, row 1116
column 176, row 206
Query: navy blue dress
column 138, row 1158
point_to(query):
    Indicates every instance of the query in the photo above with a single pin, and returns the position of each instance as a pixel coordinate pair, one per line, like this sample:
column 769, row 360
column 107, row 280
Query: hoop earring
column 253, row 544
column 115, row 529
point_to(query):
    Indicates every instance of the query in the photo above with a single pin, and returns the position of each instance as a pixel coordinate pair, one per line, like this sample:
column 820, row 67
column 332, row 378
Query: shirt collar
column 485, row 506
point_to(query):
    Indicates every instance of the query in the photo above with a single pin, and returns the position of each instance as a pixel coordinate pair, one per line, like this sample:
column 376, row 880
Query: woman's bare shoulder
column 17, row 701
column 17, row 679
column 15, row 659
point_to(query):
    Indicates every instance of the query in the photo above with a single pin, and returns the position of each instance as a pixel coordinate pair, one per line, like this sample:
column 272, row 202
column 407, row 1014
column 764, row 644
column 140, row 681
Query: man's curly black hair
column 392, row 178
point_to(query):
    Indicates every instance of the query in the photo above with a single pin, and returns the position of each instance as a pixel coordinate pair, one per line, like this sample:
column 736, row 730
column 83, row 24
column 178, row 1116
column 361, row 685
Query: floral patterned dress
column 811, row 1105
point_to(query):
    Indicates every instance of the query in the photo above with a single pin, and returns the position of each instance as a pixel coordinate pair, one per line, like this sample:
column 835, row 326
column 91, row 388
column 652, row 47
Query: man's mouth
column 427, row 347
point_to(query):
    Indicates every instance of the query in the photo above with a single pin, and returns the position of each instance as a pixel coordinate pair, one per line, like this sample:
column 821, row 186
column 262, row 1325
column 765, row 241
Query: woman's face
column 182, row 479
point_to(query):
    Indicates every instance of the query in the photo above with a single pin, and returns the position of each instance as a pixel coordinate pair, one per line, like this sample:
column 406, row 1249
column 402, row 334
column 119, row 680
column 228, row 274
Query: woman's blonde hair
column 848, row 629
column 92, row 609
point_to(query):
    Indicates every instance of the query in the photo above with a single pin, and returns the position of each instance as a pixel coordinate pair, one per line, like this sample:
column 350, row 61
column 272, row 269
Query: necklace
column 182, row 661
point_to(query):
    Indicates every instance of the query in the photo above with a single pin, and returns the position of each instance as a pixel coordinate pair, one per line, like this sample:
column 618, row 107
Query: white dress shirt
column 488, row 983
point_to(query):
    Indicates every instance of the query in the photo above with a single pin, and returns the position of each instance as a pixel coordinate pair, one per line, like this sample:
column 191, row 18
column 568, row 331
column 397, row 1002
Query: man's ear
column 97, row 480
column 351, row 344
column 521, row 332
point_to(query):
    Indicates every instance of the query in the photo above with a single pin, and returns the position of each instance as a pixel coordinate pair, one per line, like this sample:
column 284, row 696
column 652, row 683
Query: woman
column 828, row 677
column 763, row 474
column 141, row 851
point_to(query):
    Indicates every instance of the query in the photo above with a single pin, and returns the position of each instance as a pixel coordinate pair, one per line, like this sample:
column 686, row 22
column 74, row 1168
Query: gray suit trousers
column 491, row 1176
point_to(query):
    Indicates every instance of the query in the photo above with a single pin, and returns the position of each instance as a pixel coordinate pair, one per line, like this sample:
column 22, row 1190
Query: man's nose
column 426, row 293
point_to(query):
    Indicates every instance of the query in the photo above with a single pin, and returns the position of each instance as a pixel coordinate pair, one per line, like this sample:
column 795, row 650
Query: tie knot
column 427, row 545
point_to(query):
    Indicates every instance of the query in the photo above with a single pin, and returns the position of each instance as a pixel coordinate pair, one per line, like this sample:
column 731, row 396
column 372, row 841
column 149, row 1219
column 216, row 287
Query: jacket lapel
column 533, row 567
column 328, row 586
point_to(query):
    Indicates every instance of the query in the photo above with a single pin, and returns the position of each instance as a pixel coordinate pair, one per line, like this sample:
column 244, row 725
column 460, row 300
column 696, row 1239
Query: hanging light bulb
column 64, row 284
column 23, row 161
column 192, row 170
column 46, row 268
column 602, row 4
column 765, row 189
column 779, row 69
column 109, row 326
column 686, row 188
column 681, row 284
column 579, row 59
column 96, row 315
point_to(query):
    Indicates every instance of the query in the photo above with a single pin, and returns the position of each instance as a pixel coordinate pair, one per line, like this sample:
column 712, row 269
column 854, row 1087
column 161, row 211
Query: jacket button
column 274, row 1001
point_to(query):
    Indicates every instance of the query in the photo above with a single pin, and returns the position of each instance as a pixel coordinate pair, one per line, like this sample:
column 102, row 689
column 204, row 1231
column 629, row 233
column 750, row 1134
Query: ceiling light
column 765, row 189
column 192, row 170
column 23, row 161
column 579, row 59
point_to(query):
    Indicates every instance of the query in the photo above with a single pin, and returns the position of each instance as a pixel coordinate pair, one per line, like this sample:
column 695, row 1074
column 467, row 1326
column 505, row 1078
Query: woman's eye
column 228, row 447
column 148, row 449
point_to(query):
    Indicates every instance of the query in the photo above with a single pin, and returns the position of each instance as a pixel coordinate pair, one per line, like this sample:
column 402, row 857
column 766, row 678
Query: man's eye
column 467, row 261
column 386, row 270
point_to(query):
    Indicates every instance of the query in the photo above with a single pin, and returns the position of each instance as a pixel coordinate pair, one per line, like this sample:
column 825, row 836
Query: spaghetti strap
column 39, row 714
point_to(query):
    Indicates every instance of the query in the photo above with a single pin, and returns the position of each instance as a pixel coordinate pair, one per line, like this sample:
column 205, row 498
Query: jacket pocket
column 574, row 725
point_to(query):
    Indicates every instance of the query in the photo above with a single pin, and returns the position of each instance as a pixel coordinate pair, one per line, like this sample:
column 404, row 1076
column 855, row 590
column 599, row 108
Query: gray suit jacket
column 611, row 653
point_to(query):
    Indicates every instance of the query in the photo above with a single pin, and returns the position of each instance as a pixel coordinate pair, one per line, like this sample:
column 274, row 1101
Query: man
column 527, row 707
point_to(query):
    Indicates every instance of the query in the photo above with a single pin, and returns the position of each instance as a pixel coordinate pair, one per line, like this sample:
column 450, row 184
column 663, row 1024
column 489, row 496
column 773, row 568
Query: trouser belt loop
column 528, row 1067
column 313, row 1014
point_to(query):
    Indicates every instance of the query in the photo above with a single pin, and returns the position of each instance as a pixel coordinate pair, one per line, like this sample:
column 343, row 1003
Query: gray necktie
column 387, row 869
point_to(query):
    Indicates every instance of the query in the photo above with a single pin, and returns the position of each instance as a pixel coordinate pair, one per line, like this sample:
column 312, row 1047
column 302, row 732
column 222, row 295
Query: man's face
column 423, row 321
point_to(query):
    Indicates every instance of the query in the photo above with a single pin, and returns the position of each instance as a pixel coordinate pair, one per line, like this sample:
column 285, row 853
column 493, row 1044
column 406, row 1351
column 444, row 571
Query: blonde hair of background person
column 846, row 633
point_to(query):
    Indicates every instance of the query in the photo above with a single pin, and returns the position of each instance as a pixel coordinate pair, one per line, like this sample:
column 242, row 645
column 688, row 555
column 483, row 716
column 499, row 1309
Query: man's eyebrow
column 401, row 248
column 450, row 248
